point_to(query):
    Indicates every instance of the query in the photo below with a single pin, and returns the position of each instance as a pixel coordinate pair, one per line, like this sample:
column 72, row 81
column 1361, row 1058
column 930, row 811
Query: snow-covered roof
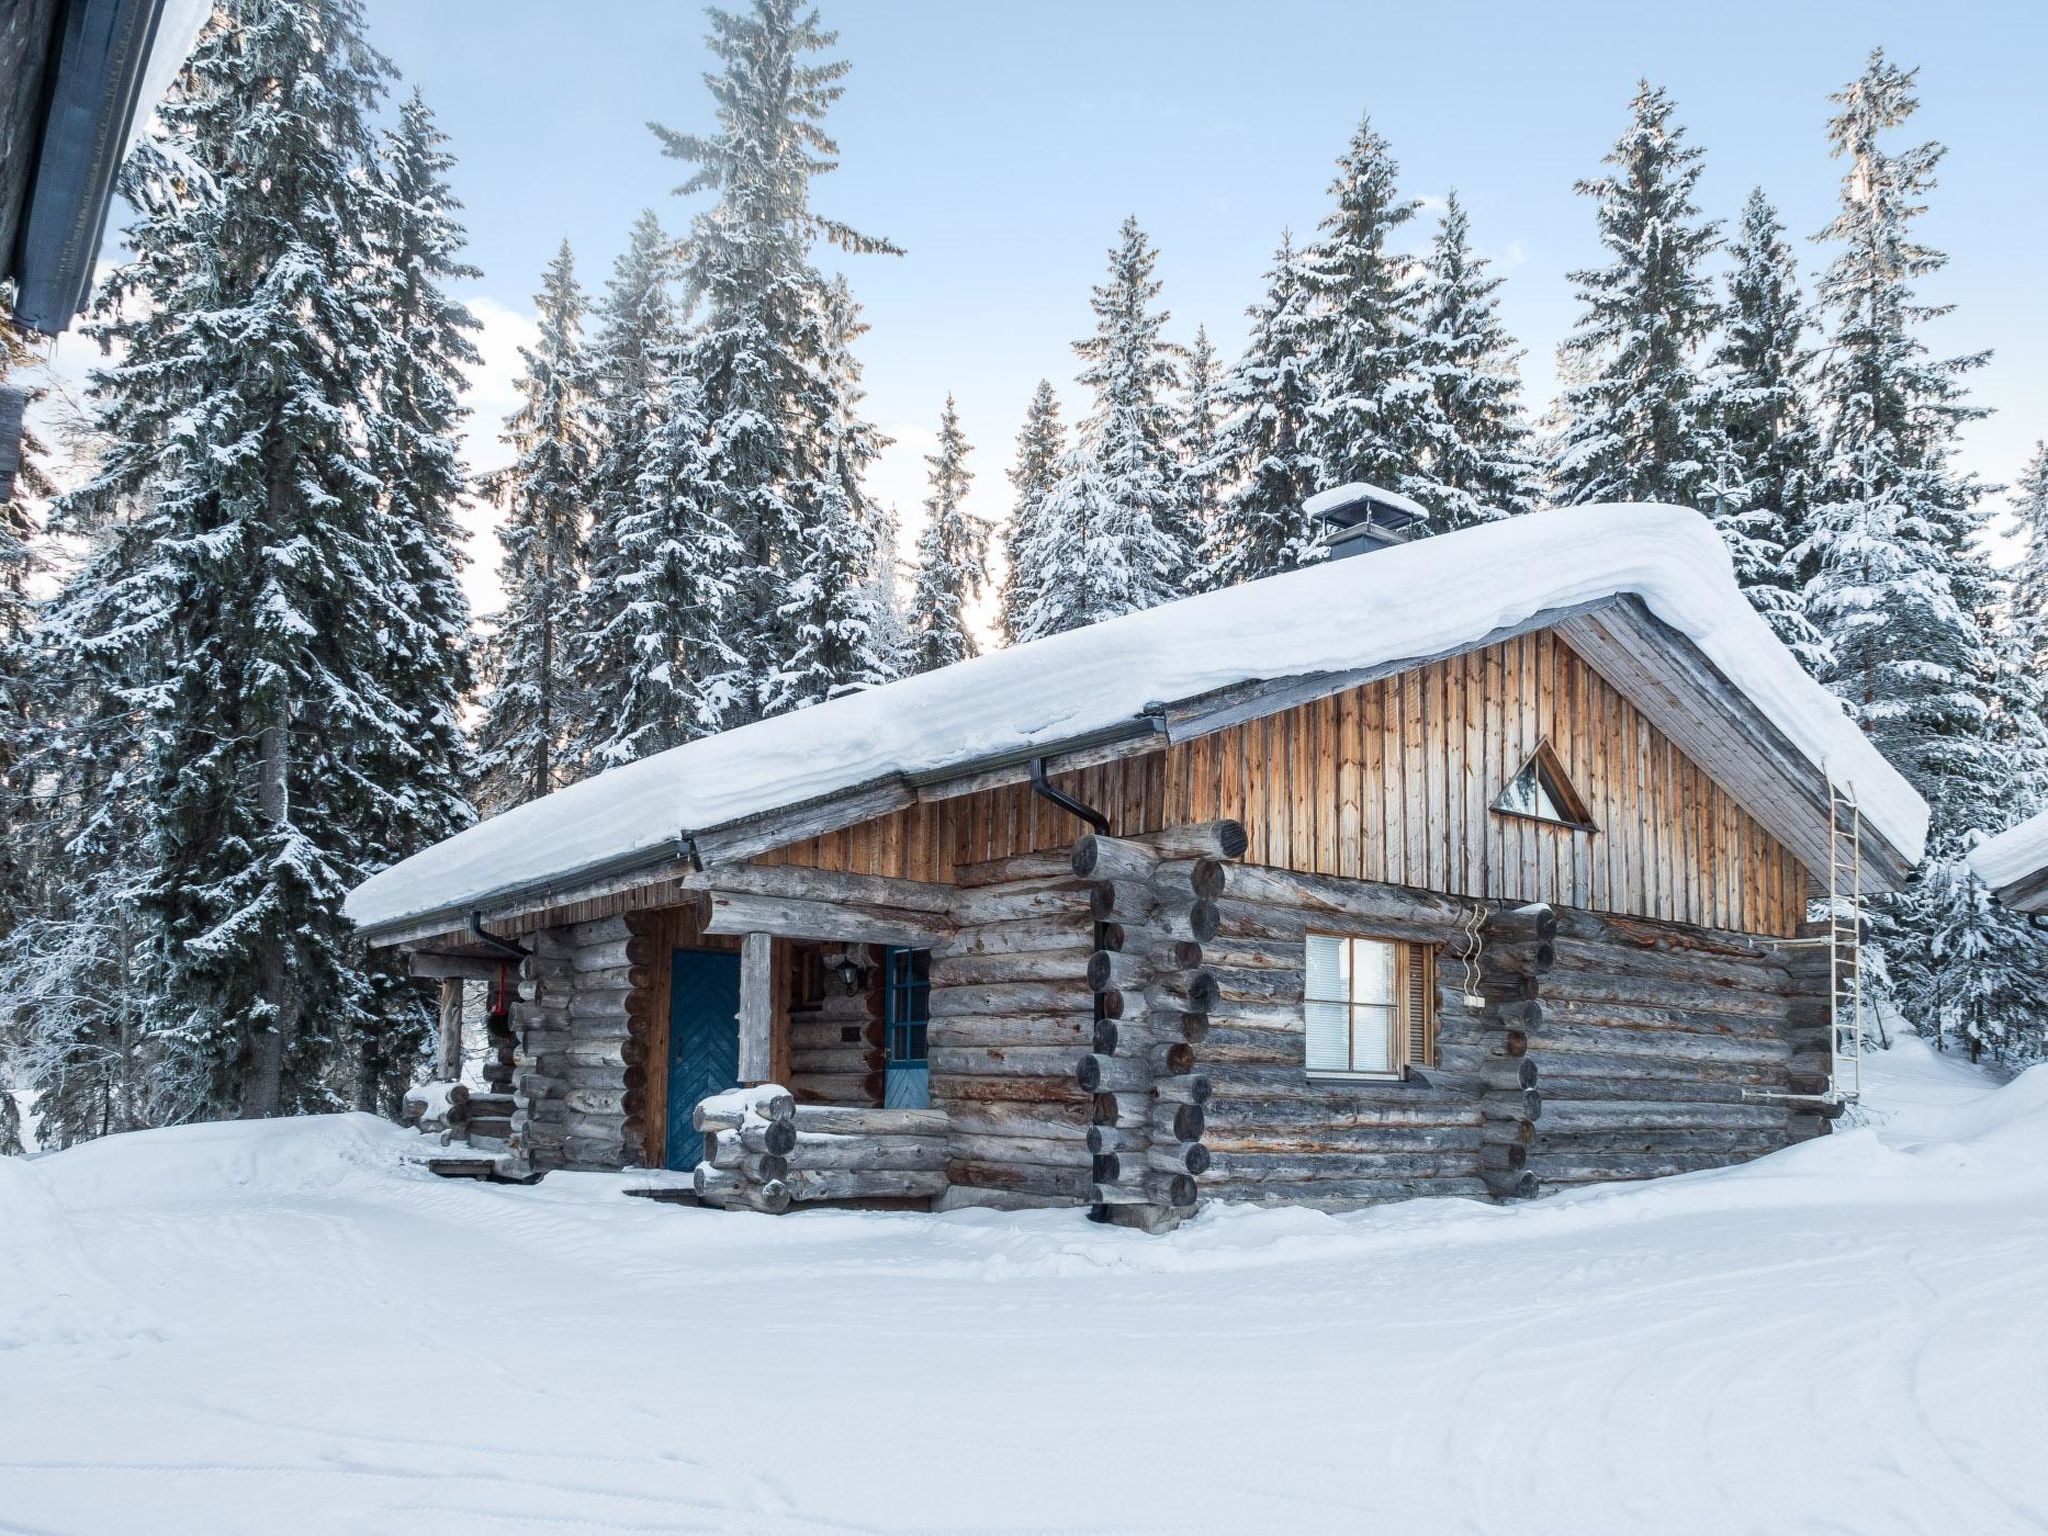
column 2015, row 859
column 1424, row 599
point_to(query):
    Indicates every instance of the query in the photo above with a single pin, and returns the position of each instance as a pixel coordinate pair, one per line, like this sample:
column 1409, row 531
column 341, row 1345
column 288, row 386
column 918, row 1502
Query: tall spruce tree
column 645, row 633
column 78, row 959
column 1760, row 407
column 412, row 425
column 262, row 574
column 1106, row 540
column 781, row 472
column 1371, row 400
column 17, row 562
column 1198, row 442
column 1478, row 453
column 1041, row 448
column 1641, row 427
column 535, row 699
column 837, row 637
column 952, row 556
column 2030, row 576
column 660, row 671
column 1268, row 436
column 834, row 624
column 1902, row 595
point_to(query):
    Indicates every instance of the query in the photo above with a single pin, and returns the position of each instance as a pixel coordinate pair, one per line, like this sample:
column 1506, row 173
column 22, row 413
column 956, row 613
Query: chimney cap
column 1346, row 506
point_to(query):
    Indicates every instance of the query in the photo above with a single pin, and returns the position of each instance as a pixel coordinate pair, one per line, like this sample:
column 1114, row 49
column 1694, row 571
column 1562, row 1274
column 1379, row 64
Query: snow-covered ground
column 264, row 1328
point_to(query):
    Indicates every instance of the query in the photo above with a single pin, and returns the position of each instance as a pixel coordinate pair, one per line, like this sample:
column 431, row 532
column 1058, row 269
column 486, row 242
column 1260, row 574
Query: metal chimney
column 1360, row 518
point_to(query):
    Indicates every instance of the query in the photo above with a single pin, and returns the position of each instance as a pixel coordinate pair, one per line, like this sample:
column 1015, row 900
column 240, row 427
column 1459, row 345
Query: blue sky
column 1001, row 145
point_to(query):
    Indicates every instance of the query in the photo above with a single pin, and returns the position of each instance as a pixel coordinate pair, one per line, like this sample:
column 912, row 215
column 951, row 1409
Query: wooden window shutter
column 1420, row 1014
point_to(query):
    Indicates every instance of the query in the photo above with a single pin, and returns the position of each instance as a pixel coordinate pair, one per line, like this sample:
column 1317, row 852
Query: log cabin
column 1474, row 865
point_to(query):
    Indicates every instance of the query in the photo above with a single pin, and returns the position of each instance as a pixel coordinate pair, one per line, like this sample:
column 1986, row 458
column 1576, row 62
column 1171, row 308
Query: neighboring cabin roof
column 2015, row 864
column 1320, row 627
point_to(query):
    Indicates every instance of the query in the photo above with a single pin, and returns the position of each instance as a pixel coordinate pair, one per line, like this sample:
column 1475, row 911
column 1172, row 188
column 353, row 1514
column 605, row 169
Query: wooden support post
column 448, row 1056
column 757, row 1008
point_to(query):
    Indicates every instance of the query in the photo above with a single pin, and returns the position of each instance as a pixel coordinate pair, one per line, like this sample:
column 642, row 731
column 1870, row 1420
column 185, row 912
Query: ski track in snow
column 254, row 1328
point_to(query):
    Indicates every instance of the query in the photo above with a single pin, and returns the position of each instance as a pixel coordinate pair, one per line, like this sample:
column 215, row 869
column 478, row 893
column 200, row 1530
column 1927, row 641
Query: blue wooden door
column 703, row 1042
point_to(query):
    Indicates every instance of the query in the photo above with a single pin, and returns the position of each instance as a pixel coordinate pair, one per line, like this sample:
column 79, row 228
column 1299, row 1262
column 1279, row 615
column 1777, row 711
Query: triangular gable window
column 1543, row 793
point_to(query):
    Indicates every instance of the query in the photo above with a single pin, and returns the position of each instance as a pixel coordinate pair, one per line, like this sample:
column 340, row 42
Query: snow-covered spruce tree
column 1902, row 596
column 829, row 607
column 1106, row 541
column 777, row 472
column 660, row 671
column 2030, row 576
column 1041, row 446
column 19, row 561
column 1478, row 452
column 952, row 556
column 885, row 594
column 1267, row 438
column 1199, row 468
column 1371, row 401
column 1759, row 392
column 834, row 636
column 248, row 627
column 535, row 697
column 1641, row 427
column 76, row 963
column 845, row 435
column 622, row 645
column 420, row 783
column 77, row 976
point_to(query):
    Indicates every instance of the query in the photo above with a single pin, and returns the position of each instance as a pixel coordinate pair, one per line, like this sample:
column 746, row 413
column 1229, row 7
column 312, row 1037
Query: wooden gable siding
column 1394, row 782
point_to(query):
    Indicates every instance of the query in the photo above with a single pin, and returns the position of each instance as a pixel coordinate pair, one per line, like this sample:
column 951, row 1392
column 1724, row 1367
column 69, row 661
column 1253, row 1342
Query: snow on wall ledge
column 1418, row 600
column 2016, row 854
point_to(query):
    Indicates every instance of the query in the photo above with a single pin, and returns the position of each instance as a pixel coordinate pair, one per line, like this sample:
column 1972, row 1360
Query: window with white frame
column 1369, row 1009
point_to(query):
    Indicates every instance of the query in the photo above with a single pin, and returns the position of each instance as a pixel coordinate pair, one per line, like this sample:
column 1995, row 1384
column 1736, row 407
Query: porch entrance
column 703, row 1042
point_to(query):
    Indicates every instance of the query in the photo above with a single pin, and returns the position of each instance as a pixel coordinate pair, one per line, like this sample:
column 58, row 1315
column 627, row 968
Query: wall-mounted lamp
column 852, row 975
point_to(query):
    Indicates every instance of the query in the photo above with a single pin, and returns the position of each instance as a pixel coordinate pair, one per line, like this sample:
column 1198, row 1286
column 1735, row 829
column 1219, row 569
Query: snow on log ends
column 1418, row 600
column 2014, row 855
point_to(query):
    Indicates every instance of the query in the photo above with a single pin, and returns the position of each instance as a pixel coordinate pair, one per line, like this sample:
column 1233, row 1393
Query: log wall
column 1661, row 1049
column 1393, row 782
column 1011, row 1010
column 1121, row 1026
column 1599, row 1049
column 580, row 1066
column 1276, row 1135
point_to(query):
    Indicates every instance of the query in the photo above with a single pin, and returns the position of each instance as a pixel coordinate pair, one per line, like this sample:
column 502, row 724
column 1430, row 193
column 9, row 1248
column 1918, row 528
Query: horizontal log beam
column 741, row 912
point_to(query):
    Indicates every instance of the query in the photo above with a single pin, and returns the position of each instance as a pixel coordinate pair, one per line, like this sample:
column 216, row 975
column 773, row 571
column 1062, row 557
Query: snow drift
column 253, row 1327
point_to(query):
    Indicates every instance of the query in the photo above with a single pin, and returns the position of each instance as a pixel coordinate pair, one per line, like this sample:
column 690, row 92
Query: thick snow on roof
column 1419, row 600
column 2018, row 853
